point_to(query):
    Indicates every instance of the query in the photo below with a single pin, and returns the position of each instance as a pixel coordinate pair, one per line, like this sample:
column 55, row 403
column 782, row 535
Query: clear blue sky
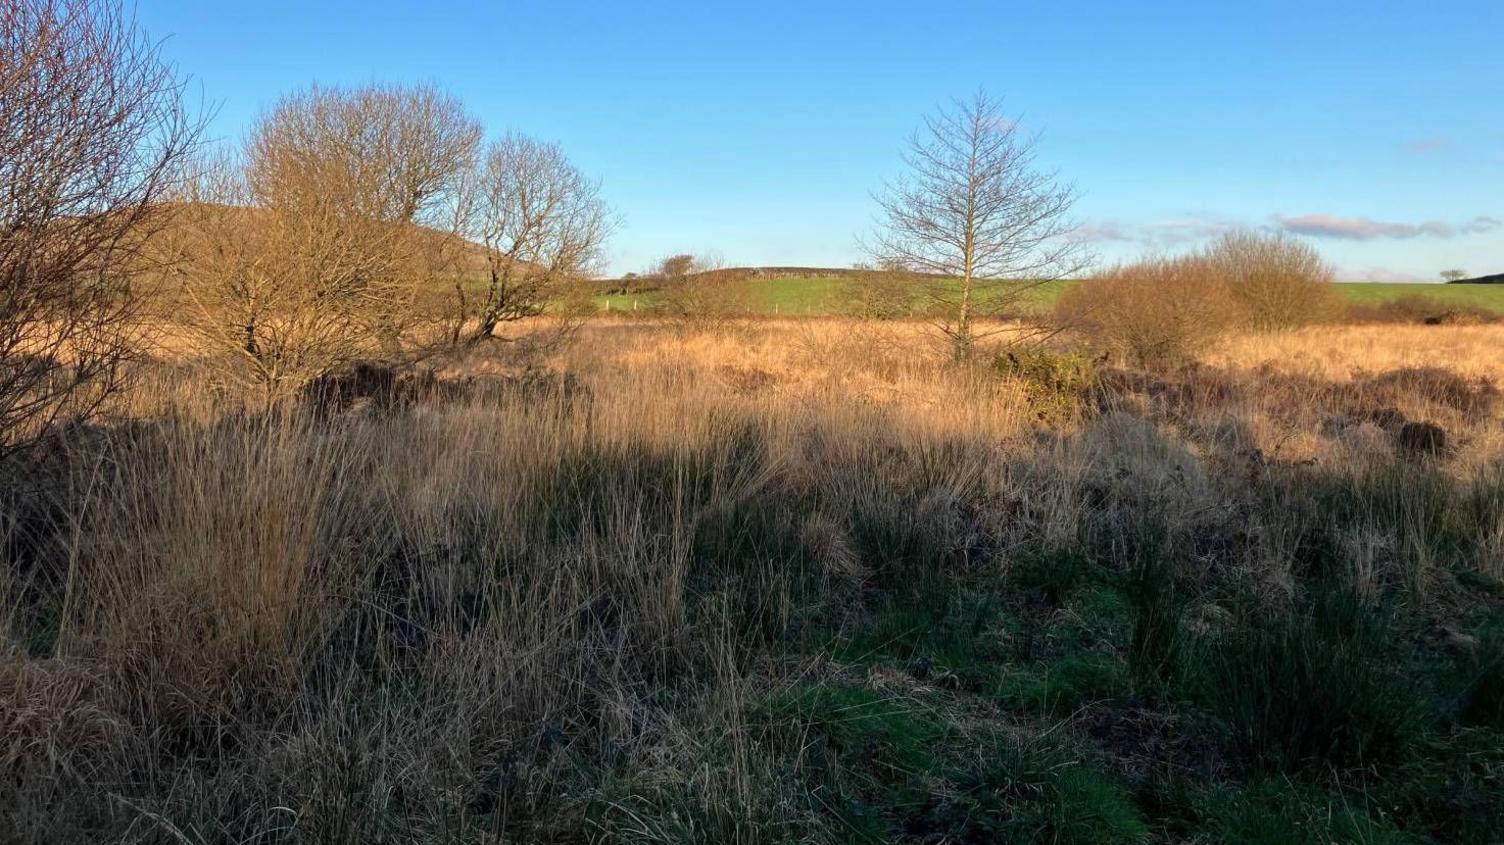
column 759, row 130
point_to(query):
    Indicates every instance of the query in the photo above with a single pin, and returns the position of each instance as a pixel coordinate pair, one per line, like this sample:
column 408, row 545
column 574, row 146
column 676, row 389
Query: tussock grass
column 790, row 582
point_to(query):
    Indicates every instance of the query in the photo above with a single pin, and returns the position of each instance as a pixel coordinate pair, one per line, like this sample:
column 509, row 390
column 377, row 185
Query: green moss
column 1028, row 791
column 1088, row 808
column 896, row 736
column 1064, row 685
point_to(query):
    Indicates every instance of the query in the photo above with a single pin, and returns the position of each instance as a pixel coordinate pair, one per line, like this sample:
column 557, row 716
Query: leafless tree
column 676, row 267
column 398, row 150
column 93, row 132
column 308, row 249
column 976, row 215
column 541, row 224
column 1450, row 276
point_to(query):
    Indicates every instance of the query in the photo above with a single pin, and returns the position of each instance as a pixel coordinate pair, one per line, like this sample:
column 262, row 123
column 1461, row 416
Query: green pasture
column 815, row 295
column 1490, row 297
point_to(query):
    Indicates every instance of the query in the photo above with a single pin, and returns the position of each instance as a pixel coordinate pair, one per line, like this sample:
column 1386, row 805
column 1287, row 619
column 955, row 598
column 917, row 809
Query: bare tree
column 676, row 267
column 399, row 151
column 1452, row 276
column 541, row 224
column 92, row 134
column 307, row 250
column 976, row 215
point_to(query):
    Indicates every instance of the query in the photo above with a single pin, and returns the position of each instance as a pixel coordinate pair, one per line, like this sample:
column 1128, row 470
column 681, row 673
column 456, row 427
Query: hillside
column 190, row 220
column 1495, row 279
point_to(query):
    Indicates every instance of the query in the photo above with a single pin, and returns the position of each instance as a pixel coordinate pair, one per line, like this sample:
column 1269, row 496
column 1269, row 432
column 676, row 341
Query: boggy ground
column 774, row 582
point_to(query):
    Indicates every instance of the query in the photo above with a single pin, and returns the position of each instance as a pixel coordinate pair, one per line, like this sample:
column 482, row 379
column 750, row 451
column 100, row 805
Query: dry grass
column 554, row 605
column 1338, row 352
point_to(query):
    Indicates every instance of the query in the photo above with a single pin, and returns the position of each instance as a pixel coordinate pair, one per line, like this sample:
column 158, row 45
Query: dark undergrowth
column 626, row 642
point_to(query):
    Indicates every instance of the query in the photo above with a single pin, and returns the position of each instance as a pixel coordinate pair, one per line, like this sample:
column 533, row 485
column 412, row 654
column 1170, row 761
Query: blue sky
column 759, row 130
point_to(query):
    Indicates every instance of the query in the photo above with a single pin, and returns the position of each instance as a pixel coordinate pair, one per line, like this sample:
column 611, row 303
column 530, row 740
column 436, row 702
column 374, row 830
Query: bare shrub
column 879, row 293
column 698, row 290
column 1057, row 384
column 307, row 250
column 93, row 133
column 1156, row 312
column 1279, row 281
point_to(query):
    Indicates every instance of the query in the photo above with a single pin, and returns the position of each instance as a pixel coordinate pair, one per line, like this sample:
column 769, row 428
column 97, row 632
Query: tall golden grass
column 411, row 623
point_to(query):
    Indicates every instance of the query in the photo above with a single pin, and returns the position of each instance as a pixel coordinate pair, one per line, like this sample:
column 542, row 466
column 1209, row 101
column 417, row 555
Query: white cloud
column 1159, row 234
column 1367, row 229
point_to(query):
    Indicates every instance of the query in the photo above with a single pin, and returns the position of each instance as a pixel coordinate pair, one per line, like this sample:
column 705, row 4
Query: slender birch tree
column 975, row 217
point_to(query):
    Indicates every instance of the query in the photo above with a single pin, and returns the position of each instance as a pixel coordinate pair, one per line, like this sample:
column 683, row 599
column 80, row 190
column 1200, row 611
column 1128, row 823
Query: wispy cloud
column 1368, row 229
column 1480, row 224
column 1434, row 144
column 1181, row 231
column 1101, row 233
column 1158, row 234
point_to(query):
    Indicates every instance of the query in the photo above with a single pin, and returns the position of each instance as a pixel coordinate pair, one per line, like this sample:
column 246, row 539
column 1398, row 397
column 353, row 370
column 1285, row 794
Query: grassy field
column 779, row 581
column 1490, row 297
column 800, row 296
column 804, row 296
